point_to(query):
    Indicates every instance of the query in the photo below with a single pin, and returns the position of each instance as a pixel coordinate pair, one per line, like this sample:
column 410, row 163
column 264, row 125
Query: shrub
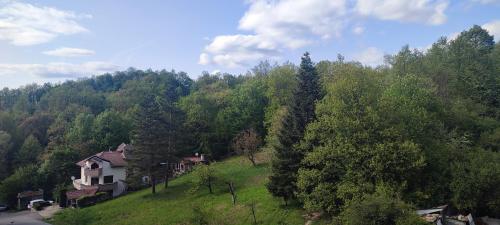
column 379, row 209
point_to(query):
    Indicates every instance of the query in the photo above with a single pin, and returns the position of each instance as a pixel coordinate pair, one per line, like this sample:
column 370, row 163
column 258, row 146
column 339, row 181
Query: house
column 186, row 164
column 106, row 172
column 103, row 172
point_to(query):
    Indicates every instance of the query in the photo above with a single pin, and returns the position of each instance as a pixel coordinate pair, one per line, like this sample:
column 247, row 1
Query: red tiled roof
column 192, row 159
column 114, row 158
column 79, row 193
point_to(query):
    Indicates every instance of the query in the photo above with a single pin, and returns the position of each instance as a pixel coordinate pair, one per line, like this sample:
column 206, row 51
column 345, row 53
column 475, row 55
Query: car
column 3, row 207
column 38, row 204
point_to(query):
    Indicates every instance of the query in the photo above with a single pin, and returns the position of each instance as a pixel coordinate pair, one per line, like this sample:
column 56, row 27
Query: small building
column 186, row 164
column 23, row 198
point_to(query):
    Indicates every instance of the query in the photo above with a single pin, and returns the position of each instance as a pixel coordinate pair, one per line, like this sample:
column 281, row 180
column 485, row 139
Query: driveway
column 21, row 218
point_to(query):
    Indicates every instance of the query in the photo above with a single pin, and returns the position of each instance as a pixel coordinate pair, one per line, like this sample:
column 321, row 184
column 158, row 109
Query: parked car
column 39, row 204
column 3, row 207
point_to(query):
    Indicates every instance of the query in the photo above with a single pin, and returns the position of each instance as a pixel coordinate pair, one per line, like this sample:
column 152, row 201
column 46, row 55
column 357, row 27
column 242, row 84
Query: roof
column 193, row 159
column 79, row 193
column 115, row 158
column 29, row 193
column 123, row 148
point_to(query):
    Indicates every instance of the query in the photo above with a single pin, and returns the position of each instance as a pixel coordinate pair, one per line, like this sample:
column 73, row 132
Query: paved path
column 21, row 218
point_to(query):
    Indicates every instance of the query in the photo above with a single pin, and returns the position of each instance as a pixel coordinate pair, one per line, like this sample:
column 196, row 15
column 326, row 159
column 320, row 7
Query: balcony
column 100, row 187
column 92, row 172
column 78, row 184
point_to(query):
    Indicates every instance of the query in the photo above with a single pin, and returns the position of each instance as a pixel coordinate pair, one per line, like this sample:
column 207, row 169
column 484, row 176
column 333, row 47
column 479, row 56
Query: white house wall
column 118, row 173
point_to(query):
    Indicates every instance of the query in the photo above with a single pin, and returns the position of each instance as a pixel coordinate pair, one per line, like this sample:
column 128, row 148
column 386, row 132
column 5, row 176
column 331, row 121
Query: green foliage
column 5, row 153
column 85, row 201
column 24, row 178
column 364, row 136
column 287, row 158
column 154, row 138
column 475, row 182
column 29, row 152
column 58, row 167
column 380, row 209
column 110, row 130
column 204, row 175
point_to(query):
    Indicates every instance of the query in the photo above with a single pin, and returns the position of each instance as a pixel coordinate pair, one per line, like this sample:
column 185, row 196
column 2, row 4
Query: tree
column 287, row 157
column 247, row 143
column 205, row 175
column 150, row 138
column 367, row 134
column 110, row 129
column 5, row 152
column 475, row 182
column 29, row 152
column 80, row 135
column 24, row 178
column 58, row 167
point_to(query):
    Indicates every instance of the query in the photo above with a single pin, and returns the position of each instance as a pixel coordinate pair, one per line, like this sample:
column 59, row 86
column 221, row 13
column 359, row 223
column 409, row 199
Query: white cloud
column 69, row 52
column 487, row 1
column 493, row 28
column 238, row 50
column 425, row 11
column 371, row 57
column 58, row 69
column 276, row 26
column 25, row 24
column 358, row 30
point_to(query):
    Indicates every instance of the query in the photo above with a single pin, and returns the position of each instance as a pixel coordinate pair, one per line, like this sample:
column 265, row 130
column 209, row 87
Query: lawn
column 177, row 205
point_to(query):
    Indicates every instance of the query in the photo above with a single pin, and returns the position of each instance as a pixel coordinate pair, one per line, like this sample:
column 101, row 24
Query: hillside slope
column 175, row 205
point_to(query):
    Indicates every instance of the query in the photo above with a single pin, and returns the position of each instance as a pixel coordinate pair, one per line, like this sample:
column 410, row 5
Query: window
column 94, row 181
column 108, row 179
column 94, row 166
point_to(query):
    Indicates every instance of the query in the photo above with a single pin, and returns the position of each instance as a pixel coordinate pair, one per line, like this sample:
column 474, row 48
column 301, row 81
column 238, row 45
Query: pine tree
column 287, row 156
column 151, row 139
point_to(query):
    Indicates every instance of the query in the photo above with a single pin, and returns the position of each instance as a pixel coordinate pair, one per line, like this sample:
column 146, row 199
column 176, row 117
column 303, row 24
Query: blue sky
column 52, row 41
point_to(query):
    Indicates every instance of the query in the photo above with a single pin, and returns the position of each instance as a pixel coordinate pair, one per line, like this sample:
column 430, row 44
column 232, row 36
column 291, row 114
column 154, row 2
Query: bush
column 379, row 209
column 92, row 200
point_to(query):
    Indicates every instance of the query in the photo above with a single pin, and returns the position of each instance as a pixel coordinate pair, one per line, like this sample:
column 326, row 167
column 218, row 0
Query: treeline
column 423, row 130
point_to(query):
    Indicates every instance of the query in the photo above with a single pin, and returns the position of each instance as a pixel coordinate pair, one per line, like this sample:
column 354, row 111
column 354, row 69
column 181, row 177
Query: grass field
column 176, row 204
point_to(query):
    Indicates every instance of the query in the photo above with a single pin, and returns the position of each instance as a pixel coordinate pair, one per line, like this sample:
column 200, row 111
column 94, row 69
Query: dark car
column 3, row 207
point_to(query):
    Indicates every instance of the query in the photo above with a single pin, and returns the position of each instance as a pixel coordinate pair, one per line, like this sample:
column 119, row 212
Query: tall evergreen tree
column 287, row 156
column 151, row 140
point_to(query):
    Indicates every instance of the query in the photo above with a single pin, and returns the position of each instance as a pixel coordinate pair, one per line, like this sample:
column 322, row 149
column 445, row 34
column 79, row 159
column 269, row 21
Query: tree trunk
column 231, row 190
column 210, row 185
column 253, row 213
column 153, row 184
column 252, row 159
column 166, row 178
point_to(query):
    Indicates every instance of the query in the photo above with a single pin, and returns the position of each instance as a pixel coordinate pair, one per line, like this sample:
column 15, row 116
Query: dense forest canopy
column 425, row 126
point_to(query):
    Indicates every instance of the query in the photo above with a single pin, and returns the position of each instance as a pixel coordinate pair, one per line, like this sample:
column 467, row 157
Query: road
column 21, row 218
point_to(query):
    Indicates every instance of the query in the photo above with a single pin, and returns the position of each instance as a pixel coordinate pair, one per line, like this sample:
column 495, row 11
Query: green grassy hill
column 175, row 205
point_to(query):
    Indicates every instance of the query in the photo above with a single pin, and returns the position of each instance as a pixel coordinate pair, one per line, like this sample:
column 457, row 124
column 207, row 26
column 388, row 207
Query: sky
column 53, row 41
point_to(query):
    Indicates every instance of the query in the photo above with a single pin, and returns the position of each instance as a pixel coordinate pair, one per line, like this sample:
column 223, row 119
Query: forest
column 345, row 139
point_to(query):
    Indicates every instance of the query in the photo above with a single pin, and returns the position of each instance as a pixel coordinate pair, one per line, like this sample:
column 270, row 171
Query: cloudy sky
column 52, row 41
